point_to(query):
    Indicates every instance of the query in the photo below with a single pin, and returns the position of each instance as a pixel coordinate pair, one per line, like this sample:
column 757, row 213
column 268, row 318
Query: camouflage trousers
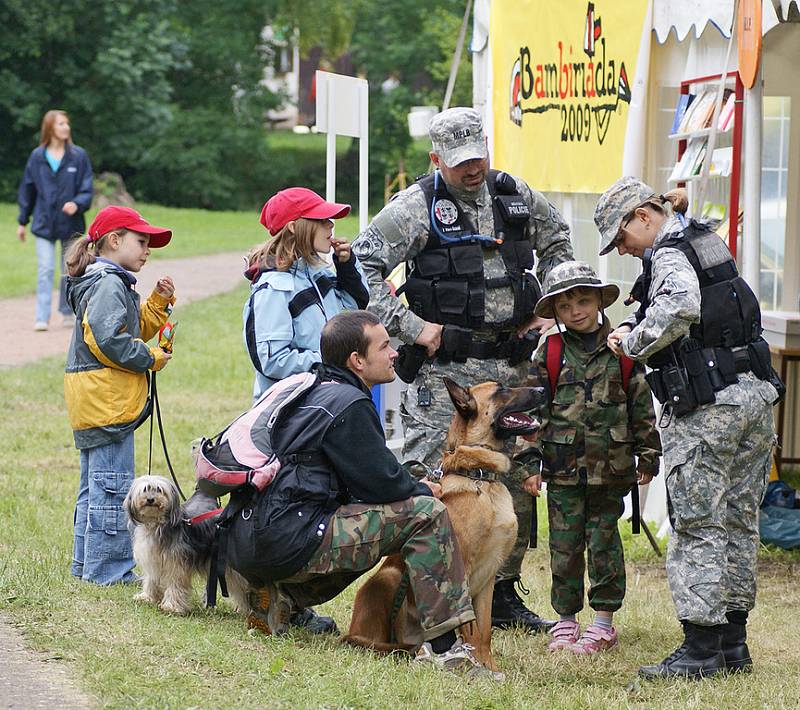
column 426, row 428
column 585, row 518
column 718, row 460
column 360, row 534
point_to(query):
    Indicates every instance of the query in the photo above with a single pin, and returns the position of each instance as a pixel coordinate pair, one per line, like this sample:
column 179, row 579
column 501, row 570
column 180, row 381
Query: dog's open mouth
column 517, row 423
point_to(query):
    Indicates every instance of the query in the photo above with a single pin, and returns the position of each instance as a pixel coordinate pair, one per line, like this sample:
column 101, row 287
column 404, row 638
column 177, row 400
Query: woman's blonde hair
column 287, row 246
column 48, row 123
column 677, row 198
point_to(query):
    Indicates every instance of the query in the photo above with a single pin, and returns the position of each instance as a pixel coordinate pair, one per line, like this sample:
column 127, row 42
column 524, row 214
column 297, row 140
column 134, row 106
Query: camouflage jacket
column 674, row 299
column 400, row 231
column 594, row 428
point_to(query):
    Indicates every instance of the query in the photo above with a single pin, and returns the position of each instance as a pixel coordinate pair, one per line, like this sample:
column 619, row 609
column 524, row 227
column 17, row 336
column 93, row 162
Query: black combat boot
column 699, row 655
column 508, row 609
column 734, row 643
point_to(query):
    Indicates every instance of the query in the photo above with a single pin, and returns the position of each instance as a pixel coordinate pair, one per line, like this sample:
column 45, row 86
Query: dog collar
column 203, row 516
column 478, row 474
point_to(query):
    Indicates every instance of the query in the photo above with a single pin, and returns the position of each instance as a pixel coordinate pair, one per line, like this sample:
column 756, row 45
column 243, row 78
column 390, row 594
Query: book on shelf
column 684, row 101
column 725, row 121
column 721, row 161
column 688, row 164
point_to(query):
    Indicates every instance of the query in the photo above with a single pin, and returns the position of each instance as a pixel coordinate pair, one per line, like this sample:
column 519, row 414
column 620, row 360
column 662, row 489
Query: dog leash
column 155, row 413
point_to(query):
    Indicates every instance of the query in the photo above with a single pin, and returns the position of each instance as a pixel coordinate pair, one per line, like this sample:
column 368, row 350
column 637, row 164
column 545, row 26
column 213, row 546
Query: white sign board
column 342, row 109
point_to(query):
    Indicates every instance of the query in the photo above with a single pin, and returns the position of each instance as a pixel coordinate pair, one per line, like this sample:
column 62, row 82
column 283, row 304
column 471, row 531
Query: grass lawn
column 129, row 655
column 195, row 232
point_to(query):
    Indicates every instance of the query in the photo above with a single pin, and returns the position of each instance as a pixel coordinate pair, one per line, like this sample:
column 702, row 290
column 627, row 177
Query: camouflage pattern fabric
column 568, row 275
column 457, row 135
column 594, row 428
column 397, row 234
column 718, row 460
column 674, row 299
column 616, row 203
column 360, row 534
column 585, row 518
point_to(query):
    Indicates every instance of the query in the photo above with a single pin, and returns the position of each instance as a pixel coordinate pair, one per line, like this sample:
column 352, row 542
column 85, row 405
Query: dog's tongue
column 518, row 423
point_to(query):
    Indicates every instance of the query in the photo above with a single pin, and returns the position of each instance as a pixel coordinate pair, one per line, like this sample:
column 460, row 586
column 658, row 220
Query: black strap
column 156, row 410
column 219, row 547
column 309, row 296
column 636, row 516
column 533, row 541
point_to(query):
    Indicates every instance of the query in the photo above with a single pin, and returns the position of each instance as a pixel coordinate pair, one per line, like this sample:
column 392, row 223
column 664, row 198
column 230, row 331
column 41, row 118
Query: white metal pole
column 751, row 232
column 330, row 158
column 363, row 158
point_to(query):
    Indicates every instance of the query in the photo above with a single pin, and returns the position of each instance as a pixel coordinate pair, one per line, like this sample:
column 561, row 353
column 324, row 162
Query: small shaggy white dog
column 169, row 546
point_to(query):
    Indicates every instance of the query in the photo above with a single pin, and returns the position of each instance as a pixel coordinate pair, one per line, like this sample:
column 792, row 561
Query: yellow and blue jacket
column 105, row 385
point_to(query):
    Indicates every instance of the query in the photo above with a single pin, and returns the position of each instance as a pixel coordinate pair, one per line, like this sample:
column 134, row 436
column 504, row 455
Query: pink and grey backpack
column 242, row 453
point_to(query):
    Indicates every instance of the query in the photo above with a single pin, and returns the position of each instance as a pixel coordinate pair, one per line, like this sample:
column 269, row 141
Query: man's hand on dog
column 532, row 484
column 436, row 488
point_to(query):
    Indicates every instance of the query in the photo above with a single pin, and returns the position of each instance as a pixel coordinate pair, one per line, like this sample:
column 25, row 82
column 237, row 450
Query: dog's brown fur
column 482, row 515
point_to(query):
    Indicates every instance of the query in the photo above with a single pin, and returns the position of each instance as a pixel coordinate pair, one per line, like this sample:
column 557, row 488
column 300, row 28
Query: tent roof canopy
column 685, row 16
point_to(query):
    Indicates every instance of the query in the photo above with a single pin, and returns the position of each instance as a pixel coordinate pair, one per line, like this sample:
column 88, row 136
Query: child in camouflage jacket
column 598, row 439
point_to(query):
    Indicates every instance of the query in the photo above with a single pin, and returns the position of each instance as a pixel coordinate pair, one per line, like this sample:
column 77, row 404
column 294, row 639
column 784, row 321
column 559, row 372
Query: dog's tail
column 380, row 647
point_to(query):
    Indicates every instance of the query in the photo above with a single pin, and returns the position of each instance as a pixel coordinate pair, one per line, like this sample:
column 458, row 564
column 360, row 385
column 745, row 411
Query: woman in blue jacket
column 302, row 277
column 56, row 189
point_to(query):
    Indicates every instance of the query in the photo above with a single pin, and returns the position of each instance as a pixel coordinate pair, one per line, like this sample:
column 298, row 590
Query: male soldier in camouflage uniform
column 600, row 418
column 468, row 234
column 699, row 328
column 342, row 502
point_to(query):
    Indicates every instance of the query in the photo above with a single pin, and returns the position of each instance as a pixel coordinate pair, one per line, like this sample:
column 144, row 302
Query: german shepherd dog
column 481, row 512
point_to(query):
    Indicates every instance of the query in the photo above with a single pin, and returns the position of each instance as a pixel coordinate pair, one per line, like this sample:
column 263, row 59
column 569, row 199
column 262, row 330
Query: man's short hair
column 345, row 334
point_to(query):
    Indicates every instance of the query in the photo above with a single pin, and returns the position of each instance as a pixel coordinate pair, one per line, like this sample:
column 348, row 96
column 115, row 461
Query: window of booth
column 774, row 177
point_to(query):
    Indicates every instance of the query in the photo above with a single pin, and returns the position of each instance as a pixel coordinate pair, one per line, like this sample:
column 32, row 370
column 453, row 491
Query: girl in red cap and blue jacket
column 105, row 385
column 302, row 277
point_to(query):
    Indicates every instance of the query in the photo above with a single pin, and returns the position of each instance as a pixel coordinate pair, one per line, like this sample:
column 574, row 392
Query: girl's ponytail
column 78, row 256
column 678, row 198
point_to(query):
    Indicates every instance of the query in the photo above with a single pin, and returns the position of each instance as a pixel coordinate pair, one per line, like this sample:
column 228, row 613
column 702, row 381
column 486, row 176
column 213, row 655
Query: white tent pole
column 363, row 158
column 751, row 232
column 330, row 158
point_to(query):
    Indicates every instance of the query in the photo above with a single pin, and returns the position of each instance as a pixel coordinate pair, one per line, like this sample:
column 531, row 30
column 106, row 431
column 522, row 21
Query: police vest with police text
column 446, row 282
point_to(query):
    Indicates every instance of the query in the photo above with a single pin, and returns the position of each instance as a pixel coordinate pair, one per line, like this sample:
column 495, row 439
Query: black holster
column 410, row 359
column 761, row 362
column 670, row 385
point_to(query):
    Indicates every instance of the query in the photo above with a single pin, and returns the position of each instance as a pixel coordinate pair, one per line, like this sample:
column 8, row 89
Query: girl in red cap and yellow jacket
column 105, row 384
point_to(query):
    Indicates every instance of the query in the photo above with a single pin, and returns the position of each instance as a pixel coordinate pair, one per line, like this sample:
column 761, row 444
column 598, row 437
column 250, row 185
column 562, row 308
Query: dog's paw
column 173, row 608
column 145, row 598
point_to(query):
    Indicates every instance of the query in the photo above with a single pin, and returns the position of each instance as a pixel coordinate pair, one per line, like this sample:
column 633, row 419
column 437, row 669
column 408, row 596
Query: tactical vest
column 726, row 341
column 446, row 283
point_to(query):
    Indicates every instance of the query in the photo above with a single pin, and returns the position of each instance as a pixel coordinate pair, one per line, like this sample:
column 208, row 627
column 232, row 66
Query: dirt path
column 195, row 278
column 30, row 680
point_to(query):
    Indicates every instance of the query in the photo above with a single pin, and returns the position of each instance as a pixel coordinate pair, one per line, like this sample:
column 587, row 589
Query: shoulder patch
column 368, row 243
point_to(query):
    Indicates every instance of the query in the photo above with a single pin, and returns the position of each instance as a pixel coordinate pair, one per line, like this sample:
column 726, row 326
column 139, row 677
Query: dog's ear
column 174, row 514
column 128, row 507
column 463, row 401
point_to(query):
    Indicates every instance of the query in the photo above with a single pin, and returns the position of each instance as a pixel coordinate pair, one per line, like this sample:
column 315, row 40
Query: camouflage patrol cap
column 569, row 275
column 616, row 203
column 457, row 136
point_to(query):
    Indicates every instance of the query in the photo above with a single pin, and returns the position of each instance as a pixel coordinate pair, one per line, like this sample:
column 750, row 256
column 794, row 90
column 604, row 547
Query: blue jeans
column 46, row 259
column 102, row 551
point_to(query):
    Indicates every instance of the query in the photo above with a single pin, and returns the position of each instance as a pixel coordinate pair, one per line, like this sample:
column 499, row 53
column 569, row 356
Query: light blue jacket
column 286, row 311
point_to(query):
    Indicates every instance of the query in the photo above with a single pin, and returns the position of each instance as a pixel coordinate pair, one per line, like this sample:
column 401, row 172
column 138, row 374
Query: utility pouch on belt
column 523, row 348
column 455, row 345
column 410, row 359
column 671, row 386
column 704, row 375
column 761, row 362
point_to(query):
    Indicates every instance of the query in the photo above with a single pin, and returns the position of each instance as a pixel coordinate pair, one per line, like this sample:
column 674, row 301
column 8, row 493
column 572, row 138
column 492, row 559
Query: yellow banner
column 562, row 76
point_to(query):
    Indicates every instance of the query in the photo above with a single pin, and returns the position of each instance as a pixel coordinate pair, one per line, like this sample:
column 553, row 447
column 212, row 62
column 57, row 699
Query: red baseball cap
column 114, row 217
column 296, row 202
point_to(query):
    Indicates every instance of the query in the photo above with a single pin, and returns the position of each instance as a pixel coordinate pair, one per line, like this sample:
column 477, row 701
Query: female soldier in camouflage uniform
column 699, row 328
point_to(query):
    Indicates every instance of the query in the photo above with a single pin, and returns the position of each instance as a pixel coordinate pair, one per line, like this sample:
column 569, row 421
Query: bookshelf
column 696, row 139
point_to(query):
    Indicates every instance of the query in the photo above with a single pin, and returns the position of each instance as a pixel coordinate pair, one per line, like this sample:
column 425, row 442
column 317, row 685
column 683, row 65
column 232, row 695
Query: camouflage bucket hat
column 616, row 203
column 457, row 136
column 569, row 275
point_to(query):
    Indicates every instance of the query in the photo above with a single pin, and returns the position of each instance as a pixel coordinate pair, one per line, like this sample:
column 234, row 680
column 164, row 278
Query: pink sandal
column 594, row 640
column 565, row 634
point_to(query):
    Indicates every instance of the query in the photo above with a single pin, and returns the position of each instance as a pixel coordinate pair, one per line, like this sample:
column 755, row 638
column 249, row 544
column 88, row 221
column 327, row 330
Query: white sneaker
column 458, row 658
column 40, row 326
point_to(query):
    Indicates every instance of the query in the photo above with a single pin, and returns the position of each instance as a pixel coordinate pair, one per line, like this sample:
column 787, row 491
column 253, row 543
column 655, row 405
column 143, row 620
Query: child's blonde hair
column 286, row 247
column 84, row 251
